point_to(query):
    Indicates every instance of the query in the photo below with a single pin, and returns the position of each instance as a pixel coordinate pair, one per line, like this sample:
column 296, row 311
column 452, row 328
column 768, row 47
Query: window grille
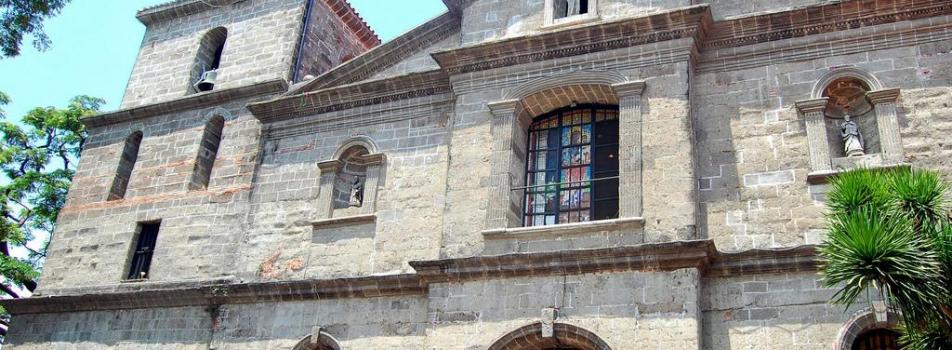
column 572, row 167
column 142, row 255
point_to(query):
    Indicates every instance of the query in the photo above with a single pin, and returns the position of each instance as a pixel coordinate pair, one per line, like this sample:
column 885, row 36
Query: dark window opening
column 877, row 339
column 127, row 161
column 144, row 248
column 572, row 167
column 568, row 8
column 208, row 59
column 207, row 152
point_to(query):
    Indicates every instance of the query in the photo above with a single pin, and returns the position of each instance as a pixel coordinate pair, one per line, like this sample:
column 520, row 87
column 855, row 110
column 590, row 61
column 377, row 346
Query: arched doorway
column 877, row 339
column 564, row 337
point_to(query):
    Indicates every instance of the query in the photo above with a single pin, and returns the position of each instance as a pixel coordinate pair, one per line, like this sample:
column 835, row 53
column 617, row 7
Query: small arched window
column 127, row 161
column 208, row 60
column 207, row 151
column 572, row 167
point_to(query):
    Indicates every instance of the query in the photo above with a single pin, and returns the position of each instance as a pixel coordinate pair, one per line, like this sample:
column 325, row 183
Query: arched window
column 207, row 151
column 877, row 339
column 208, row 60
column 127, row 161
column 572, row 167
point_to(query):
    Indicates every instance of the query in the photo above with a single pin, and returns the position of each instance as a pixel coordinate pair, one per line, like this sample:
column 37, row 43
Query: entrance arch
column 564, row 337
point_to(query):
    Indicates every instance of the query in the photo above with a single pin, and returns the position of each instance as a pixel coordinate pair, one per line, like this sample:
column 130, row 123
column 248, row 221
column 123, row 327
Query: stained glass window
column 572, row 167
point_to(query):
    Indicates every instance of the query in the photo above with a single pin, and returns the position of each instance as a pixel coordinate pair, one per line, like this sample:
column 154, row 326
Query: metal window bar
column 563, row 183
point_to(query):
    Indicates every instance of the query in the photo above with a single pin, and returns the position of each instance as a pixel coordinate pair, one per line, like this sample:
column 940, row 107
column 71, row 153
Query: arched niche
column 869, row 138
column 563, row 337
column 349, row 181
column 323, row 341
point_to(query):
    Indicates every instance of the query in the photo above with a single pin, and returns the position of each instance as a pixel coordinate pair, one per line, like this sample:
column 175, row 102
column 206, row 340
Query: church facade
column 519, row 174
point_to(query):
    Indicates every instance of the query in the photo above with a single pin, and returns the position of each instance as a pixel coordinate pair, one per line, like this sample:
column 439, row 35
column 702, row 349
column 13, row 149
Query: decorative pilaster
column 325, row 199
column 630, row 144
column 885, row 101
column 503, row 126
column 813, row 112
column 375, row 165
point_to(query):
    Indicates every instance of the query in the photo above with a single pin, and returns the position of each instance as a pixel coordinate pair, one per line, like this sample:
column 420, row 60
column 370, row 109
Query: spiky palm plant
column 889, row 233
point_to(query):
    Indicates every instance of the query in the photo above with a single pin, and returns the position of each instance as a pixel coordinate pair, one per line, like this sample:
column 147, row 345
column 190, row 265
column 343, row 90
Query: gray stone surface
column 725, row 156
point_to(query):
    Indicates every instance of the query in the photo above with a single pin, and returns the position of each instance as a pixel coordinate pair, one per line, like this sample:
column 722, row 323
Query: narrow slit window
column 127, row 161
column 572, row 168
column 144, row 249
column 207, row 152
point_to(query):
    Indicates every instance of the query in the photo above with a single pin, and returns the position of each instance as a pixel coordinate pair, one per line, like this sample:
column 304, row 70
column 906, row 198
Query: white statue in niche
column 852, row 138
column 356, row 193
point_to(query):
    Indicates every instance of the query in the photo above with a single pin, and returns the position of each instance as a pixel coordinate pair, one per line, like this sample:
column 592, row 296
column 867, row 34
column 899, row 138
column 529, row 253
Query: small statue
column 356, row 193
column 852, row 138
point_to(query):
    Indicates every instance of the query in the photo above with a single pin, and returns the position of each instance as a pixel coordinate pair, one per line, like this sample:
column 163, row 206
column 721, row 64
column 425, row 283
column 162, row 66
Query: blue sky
column 95, row 43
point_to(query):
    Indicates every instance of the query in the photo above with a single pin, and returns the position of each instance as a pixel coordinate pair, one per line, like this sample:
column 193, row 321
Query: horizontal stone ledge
column 199, row 100
column 564, row 229
column 669, row 256
column 345, row 221
column 823, row 177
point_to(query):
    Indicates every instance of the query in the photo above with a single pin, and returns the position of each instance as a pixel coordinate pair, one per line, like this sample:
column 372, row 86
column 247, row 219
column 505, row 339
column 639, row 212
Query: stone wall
column 627, row 310
column 197, row 236
column 752, row 161
column 772, row 311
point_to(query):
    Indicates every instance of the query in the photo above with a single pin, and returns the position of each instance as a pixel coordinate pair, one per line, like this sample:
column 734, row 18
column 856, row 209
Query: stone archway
column 564, row 337
column 862, row 323
column 324, row 341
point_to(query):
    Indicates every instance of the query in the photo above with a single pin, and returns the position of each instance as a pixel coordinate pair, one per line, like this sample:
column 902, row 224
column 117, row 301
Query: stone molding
column 820, row 19
column 184, row 103
column 667, row 256
column 844, row 42
column 602, row 36
column 345, row 221
column 564, row 229
column 351, row 96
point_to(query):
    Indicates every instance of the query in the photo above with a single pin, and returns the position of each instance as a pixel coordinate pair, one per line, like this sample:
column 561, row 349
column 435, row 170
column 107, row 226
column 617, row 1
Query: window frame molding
column 509, row 129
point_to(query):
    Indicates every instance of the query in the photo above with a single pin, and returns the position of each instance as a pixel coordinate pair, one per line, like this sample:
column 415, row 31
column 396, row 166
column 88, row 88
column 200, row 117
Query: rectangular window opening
column 569, row 8
column 141, row 261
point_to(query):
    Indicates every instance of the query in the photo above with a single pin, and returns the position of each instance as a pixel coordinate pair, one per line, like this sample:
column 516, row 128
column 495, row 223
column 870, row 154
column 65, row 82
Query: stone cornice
column 883, row 96
column 352, row 96
column 688, row 22
column 645, row 257
column 200, row 100
column 848, row 34
column 817, row 105
column 798, row 259
column 700, row 254
column 819, row 19
column 172, row 9
column 456, row 6
column 383, row 56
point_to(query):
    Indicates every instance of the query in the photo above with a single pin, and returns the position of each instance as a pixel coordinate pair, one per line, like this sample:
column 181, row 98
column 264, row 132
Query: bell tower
column 193, row 46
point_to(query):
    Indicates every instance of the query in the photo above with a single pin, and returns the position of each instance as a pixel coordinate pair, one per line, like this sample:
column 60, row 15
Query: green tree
column 889, row 233
column 37, row 161
column 25, row 17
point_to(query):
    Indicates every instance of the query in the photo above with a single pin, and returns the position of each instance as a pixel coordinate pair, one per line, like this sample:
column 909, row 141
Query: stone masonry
column 727, row 137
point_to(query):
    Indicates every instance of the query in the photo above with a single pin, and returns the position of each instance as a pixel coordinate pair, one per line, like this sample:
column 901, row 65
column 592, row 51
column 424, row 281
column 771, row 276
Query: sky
column 95, row 43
